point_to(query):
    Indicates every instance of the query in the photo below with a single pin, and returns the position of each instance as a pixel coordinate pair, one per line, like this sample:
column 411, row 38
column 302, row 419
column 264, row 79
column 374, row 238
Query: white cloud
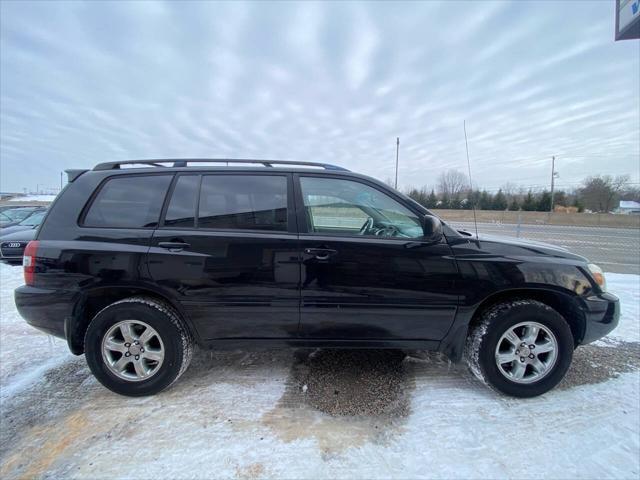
column 88, row 82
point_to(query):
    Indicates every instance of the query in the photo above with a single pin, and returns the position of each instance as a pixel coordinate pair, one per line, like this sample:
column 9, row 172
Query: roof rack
column 183, row 162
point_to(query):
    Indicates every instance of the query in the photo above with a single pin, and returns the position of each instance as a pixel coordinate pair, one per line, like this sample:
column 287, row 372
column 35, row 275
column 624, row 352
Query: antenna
column 473, row 204
column 397, row 152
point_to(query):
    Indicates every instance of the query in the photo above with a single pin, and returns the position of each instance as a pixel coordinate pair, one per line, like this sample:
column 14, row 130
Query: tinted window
column 182, row 206
column 352, row 208
column 244, row 202
column 129, row 202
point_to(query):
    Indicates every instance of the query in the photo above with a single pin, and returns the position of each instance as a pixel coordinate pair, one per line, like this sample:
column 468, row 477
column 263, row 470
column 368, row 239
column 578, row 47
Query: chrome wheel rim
column 526, row 352
column 132, row 350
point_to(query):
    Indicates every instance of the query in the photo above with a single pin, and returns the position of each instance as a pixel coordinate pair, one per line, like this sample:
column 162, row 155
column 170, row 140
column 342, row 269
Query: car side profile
column 138, row 261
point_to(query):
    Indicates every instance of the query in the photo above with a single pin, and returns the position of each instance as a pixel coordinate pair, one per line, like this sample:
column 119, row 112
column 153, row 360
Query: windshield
column 33, row 220
column 17, row 214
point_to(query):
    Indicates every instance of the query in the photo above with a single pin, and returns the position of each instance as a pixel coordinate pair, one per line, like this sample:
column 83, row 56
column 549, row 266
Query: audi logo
column 13, row 245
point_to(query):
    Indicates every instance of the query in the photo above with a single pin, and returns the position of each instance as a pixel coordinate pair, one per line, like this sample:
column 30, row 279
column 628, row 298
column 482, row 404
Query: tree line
column 600, row 193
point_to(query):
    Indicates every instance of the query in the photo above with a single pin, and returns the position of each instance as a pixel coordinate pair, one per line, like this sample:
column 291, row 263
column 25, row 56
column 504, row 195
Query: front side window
column 345, row 207
column 243, row 202
column 128, row 202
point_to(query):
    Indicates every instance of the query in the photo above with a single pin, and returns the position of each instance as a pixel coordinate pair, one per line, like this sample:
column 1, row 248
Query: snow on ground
column 34, row 198
column 627, row 287
column 242, row 415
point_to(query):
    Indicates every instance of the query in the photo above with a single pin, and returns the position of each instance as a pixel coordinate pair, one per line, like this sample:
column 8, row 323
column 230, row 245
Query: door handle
column 320, row 253
column 174, row 246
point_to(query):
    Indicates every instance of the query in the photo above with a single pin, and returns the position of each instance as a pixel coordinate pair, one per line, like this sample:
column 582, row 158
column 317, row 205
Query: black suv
column 134, row 265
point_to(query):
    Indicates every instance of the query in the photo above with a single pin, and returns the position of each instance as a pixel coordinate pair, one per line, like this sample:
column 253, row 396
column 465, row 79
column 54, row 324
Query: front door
column 228, row 250
column 366, row 272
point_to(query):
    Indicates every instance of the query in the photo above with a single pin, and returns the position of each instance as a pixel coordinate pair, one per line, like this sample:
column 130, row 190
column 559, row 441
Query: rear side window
column 128, row 202
column 182, row 207
column 243, row 202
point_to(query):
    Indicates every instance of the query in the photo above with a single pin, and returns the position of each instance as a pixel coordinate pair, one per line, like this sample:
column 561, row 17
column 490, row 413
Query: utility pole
column 397, row 153
column 553, row 176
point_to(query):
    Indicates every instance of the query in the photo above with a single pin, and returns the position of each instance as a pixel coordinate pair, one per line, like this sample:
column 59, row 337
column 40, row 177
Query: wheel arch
column 90, row 302
column 566, row 304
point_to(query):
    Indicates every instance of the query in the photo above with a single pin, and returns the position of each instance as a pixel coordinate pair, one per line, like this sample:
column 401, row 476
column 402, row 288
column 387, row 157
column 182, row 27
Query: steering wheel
column 388, row 231
column 366, row 226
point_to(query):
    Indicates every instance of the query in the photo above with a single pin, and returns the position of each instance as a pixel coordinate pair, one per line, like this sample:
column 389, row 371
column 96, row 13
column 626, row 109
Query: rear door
column 367, row 273
column 227, row 248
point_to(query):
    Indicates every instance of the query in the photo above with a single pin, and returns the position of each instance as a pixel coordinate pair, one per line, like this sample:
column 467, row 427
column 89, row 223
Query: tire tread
column 185, row 335
column 478, row 333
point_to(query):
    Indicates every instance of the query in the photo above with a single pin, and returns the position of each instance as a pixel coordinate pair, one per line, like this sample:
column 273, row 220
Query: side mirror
column 432, row 229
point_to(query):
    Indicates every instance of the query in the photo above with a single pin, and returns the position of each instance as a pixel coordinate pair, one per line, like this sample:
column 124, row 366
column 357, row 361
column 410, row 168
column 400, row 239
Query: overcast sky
column 83, row 83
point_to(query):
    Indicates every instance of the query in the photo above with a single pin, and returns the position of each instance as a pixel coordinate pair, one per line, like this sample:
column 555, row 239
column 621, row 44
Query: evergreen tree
column 544, row 202
column 455, row 203
column 485, row 202
column 432, row 200
column 529, row 203
column 499, row 201
column 445, row 201
column 514, row 206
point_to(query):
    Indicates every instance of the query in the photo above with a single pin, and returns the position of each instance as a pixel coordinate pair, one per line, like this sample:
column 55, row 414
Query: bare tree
column 451, row 184
column 600, row 193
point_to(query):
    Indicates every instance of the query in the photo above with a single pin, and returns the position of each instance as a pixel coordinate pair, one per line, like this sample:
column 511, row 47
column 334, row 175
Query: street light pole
column 397, row 153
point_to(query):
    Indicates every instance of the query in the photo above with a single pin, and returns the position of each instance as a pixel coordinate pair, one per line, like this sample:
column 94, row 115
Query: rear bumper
column 44, row 309
column 601, row 316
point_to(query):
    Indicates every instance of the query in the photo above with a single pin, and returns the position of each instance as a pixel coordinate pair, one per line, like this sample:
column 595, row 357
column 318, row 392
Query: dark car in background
column 12, row 245
column 133, row 266
column 14, row 215
column 31, row 222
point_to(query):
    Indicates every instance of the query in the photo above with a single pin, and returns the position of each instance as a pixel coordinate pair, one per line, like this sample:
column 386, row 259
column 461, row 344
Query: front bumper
column 602, row 313
column 44, row 309
column 11, row 252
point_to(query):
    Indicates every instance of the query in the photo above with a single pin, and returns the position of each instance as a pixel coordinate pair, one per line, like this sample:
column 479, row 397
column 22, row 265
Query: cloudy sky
column 83, row 83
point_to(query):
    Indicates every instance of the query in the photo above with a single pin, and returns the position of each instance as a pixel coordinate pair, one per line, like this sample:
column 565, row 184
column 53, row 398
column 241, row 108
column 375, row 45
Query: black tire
column 176, row 338
column 480, row 349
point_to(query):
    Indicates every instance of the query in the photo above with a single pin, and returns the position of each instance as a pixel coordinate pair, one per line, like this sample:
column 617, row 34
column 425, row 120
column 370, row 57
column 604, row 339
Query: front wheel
column 521, row 348
column 137, row 346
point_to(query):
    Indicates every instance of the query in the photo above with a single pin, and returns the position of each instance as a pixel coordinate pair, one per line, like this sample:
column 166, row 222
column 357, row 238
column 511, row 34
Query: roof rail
column 183, row 162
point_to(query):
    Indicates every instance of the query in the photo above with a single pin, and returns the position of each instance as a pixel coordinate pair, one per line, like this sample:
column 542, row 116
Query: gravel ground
column 602, row 361
column 353, row 382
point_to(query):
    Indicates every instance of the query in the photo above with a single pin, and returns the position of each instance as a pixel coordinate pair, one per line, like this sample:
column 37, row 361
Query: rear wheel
column 137, row 346
column 521, row 348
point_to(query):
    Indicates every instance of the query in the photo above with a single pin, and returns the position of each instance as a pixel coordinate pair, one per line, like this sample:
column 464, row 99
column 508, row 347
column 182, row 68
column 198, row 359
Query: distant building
column 562, row 209
column 627, row 19
column 628, row 207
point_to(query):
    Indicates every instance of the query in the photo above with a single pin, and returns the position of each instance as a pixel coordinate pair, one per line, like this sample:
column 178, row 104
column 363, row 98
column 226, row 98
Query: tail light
column 29, row 262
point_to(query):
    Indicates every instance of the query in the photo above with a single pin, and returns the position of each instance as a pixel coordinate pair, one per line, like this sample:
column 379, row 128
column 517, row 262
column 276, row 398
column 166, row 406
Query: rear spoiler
column 73, row 174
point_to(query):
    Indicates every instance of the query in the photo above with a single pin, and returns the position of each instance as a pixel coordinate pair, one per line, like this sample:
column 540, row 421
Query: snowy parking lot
column 321, row 414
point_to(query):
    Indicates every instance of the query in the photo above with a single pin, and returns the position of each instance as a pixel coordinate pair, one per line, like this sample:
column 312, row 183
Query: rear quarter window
column 128, row 202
